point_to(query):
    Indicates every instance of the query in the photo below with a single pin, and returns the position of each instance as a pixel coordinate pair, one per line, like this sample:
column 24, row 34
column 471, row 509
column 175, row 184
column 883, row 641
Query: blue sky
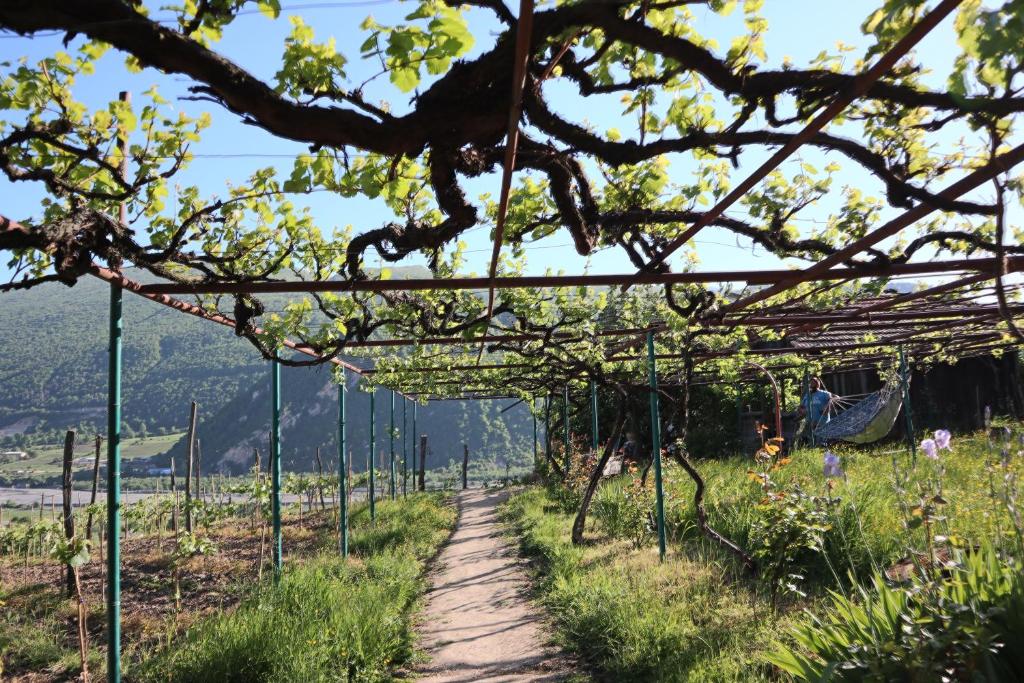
column 230, row 150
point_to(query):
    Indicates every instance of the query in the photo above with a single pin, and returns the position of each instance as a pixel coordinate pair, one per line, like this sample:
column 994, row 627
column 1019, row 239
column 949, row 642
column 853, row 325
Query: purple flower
column 942, row 437
column 930, row 448
column 832, row 468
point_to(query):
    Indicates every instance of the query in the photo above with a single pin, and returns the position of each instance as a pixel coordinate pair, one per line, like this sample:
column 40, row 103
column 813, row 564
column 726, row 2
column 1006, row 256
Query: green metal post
column 114, row 490
column 565, row 426
column 659, row 498
column 533, row 412
column 547, row 427
column 908, row 413
column 593, row 415
column 805, row 391
column 391, row 439
column 373, row 455
column 342, row 467
column 275, row 467
column 405, row 450
column 414, row 433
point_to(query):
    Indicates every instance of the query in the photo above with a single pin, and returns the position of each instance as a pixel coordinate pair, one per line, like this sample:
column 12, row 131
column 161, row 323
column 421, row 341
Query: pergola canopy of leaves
column 695, row 109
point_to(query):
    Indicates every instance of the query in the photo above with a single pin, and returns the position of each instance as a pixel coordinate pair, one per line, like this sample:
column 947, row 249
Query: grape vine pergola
column 107, row 173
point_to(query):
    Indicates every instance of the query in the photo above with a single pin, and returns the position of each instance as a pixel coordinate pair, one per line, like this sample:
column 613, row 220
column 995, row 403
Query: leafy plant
column 789, row 525
column 74, row 552
column 965, row 622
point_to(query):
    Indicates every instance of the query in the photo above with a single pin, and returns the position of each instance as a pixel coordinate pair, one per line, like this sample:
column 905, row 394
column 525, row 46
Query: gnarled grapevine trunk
column 595, row 477
column 698, row 496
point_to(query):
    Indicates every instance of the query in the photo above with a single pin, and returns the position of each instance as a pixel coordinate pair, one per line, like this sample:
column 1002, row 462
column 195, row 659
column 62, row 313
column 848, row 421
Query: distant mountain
column 309, row 401
column 53, row 359
column 53, row 376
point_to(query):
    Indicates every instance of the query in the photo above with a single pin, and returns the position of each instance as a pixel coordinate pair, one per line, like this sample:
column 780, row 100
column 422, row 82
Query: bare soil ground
column 479, row 623
column 34, row 590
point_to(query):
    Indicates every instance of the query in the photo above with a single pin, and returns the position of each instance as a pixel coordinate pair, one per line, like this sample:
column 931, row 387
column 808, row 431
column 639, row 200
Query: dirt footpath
column 479, row 624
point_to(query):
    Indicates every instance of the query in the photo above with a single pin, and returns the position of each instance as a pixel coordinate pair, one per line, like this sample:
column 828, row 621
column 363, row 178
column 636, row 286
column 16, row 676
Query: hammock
column 866, row 421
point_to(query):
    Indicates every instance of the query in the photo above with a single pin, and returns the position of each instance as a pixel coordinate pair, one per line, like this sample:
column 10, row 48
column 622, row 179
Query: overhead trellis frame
column 972, row 339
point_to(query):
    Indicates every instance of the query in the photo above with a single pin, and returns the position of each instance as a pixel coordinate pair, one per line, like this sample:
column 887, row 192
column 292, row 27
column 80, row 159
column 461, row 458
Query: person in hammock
column 814, row 409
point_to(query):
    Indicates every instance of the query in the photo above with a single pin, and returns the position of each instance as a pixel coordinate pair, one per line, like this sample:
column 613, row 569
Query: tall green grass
column 867, row 522
column 697, row 616
column 631, row 618
column 327, row 619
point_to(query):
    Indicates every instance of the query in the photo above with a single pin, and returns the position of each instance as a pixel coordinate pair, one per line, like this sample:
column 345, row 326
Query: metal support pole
column 391, row 440
column 275, row 467
column 593, row 415
column 805, row 393
column 342, row 467
column 908, row 413
column 533, row 413
column 405, row 450
column 372, row 460
column 739, row 415
column 414, row 433
column 547, row 428
column 659, row 498
column 114, row 490
column 565, row 427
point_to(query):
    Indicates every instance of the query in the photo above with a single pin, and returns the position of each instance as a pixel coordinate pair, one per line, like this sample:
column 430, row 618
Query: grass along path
column 479, row 624
column 698, row 616
column 328, row 620
column 631, row 618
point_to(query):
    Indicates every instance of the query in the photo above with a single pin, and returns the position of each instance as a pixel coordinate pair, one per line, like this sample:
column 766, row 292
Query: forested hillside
column 53, row 375
column 309, row 401
column 53, row 361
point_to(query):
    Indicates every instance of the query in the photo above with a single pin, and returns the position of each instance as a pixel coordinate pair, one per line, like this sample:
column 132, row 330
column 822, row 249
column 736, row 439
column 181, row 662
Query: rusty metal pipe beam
column 884, row 316
column 892, row 302
column 135, row 287
column 524, row 29
column 750, row 277
column 510, row 337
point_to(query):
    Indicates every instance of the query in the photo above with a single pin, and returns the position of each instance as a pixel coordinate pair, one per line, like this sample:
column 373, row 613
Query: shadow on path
column 479, row 624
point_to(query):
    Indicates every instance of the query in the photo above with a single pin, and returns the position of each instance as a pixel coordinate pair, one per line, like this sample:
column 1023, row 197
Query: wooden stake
column 199, row 480
column 320, row 477
column 95, row 484
column 190, row 454
column 174, row 510
column 423, row 462
column 69, row 518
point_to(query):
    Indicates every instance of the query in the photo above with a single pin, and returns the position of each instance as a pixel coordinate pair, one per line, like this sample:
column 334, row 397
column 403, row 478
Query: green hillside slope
column 53, row 361
column 309, row 401
column 53, row 376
